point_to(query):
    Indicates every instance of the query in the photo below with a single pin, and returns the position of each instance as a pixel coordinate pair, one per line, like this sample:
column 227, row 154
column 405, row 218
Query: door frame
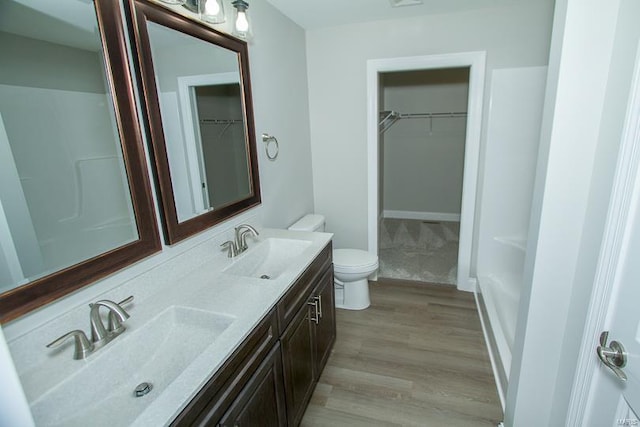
column 476, row 62
column 191, row 131
column 625, row 195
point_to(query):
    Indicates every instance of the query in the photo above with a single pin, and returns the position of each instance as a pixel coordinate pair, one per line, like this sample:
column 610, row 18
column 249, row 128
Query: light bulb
column 242, row 23
column 211, row 7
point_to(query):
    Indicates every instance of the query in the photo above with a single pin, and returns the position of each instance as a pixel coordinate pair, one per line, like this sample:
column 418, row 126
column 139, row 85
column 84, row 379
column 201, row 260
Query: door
column 261, row 402
column 607, row 385
column 298, row 364
column 619, row 347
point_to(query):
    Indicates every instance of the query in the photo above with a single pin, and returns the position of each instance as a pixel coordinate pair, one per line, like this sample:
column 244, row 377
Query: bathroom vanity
column 218, row 341
column 269, row 379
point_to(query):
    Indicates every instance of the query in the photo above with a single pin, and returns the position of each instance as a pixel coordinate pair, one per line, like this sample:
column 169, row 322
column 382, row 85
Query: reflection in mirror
column 198, row 98
column 64, row 192
column 202, row 118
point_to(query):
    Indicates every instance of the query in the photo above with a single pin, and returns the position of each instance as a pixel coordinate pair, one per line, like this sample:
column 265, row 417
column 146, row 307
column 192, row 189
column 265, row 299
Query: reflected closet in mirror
column 75, row 197
column 197, row 94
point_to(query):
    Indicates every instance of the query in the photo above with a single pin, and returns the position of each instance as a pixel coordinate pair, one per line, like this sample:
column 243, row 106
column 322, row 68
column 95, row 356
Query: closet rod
column 390, row 117
column 431, row 115
column 220, row 121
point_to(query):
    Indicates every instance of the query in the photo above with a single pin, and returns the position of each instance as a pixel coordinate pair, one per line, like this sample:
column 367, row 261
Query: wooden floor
column 416, row 357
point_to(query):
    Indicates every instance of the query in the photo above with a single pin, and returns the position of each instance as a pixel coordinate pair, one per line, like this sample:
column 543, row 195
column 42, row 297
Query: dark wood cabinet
column 307, row 343
column 261, row 402
column 266, row 381
column 215, row 398
column 325, row 328
column 298, row 354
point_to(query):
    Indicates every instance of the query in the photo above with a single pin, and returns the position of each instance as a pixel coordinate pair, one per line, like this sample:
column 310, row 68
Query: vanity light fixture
column 211, row 11
column 241, row 26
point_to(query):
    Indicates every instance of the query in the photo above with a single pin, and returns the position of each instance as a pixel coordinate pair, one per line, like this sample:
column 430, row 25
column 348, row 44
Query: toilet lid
column 353, row 258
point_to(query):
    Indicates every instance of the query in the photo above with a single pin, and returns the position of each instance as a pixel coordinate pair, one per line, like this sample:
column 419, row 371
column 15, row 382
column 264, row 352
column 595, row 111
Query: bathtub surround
column 423, row 251
column 513, row 137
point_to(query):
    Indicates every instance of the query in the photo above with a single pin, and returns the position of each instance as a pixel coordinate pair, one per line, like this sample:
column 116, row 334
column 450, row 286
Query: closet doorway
column 422, row 132
column 430, row 197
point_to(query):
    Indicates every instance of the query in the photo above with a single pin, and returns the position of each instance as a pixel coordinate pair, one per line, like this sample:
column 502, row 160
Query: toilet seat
column 354, row 261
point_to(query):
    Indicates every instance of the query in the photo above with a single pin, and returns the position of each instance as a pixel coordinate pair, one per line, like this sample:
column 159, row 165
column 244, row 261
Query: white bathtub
column 498, row 298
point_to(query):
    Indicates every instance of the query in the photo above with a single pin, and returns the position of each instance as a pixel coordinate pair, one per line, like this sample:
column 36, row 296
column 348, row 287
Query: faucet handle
column 231, row 248
column 83, row 347
column 115, row 325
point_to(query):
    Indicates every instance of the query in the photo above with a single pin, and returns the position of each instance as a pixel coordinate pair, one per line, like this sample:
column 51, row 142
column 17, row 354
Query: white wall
column 587, row 91
column 281, row 105
column 515, row 35
column 424, row 158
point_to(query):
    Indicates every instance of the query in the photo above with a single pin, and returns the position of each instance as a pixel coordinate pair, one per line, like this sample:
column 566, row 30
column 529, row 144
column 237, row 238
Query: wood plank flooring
column 416, row 357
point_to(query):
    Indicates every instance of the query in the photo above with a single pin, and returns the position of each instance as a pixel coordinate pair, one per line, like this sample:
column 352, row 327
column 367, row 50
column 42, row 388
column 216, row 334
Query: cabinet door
column 298, row 363
column 325, row 329
column 261, row 402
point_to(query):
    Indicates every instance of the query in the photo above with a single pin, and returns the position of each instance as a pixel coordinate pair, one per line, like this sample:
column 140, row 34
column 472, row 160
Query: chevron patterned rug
column 418, row 250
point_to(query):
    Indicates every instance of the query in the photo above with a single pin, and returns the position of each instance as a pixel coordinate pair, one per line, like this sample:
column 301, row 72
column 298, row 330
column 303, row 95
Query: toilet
column 351, row 268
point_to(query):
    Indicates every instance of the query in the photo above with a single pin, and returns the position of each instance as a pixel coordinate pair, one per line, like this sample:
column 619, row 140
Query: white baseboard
column 424, row 216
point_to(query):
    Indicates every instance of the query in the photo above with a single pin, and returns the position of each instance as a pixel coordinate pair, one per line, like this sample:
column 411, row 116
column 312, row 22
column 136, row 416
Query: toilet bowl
column 351, row 268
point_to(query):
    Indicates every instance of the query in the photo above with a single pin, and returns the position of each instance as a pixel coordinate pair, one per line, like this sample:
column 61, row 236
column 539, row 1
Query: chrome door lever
column 614, row 356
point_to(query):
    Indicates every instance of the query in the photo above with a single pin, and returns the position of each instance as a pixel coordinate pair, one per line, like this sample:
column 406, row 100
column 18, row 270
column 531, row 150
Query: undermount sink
column 268, row 259
column 102, row 390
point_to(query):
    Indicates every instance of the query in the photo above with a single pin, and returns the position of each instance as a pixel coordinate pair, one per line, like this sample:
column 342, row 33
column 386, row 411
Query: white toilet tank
column 310, row 222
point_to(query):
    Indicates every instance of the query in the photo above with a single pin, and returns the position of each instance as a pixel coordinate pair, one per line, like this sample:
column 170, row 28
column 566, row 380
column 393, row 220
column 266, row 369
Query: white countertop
column 195, row 280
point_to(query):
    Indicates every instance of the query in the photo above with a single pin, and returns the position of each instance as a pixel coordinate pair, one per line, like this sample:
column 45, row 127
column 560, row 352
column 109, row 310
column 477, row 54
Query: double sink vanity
column 216, row 343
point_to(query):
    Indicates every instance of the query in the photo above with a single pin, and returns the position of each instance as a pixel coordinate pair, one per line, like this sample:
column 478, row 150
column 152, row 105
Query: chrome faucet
column 239, row 244
column 99, row 333
column 230, row 246
column 241, row 236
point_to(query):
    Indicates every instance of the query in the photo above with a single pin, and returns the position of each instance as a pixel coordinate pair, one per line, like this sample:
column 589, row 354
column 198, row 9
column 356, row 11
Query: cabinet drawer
column 299, row 293
column 216, row 396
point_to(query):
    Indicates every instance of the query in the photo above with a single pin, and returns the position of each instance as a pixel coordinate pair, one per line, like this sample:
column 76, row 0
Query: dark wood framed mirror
column 197, row 93
column 75, row 194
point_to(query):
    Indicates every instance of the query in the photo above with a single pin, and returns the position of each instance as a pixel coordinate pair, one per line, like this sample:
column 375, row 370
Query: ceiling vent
column 400, row 3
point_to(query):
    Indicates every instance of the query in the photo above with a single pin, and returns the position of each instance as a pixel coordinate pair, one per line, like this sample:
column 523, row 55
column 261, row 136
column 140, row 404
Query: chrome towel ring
column 271, row 146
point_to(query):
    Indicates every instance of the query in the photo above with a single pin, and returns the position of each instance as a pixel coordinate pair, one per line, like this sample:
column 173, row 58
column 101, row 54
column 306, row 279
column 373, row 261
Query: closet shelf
column 389, row 117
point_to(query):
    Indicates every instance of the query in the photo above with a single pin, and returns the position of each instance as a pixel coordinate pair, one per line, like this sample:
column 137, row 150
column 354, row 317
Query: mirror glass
column 198, row 99
column 64, row 192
